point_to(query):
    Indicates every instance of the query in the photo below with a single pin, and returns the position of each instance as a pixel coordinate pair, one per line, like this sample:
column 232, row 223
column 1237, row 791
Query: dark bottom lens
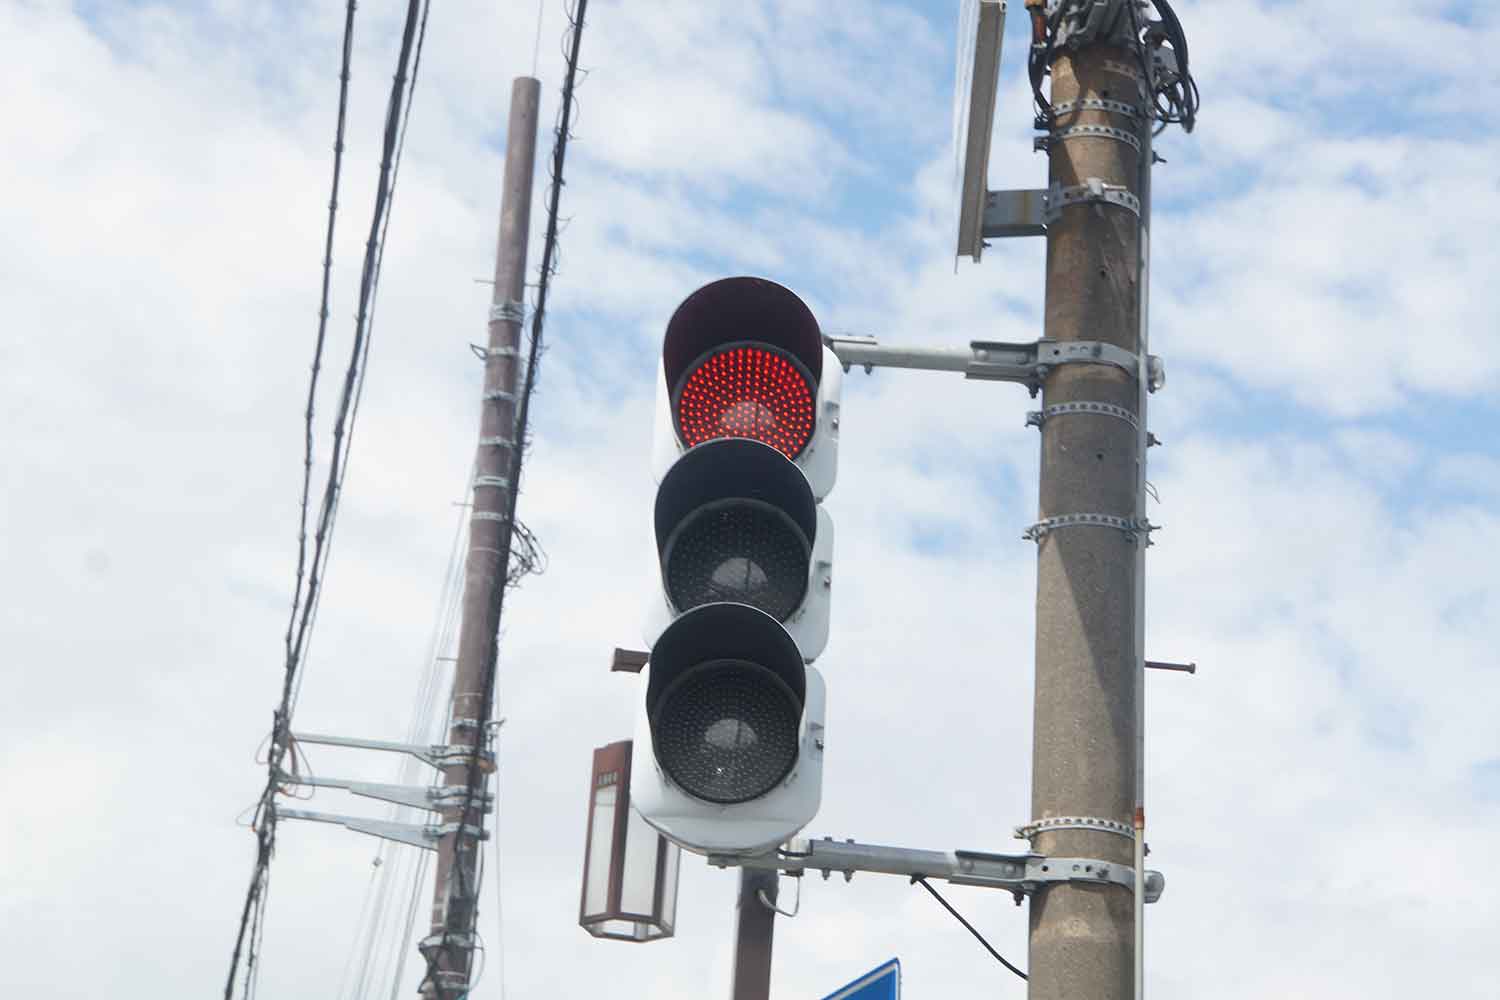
column 726, row 731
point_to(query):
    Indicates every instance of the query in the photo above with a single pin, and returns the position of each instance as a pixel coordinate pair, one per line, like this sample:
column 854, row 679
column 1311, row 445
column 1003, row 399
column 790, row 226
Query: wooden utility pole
column 450, row 948
column 1086, row 744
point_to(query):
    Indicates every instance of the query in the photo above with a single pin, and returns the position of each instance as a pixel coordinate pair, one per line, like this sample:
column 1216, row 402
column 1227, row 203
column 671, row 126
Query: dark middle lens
column 742, row 552
column 727, row 731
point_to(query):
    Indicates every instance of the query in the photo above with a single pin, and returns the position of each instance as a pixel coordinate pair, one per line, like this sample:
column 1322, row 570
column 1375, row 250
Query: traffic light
column 746, row 446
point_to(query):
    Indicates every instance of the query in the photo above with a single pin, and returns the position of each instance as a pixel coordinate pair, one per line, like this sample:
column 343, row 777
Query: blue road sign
column 883, row 983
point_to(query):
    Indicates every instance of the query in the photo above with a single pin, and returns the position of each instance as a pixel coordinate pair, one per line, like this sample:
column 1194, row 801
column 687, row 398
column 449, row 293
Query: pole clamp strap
column 1098, row 104
column 493, row 482
column 1099, row 352
column 1037, row 826
column 1129, row 138
column 1036, row 418
column 488, row 515
column 508, row 312
column 496, row 442
column 499, row 396
column 1091, row 190
column 1132, row 529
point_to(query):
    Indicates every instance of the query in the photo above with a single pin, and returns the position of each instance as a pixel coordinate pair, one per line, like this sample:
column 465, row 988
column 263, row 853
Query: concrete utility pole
column 456, row 890
column 1086, row 743
column 752, row 935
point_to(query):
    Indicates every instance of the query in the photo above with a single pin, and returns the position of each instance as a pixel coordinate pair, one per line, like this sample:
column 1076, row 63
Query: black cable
column 523, row 415
column 265, row 817
column 265, row 835
column 922, row 881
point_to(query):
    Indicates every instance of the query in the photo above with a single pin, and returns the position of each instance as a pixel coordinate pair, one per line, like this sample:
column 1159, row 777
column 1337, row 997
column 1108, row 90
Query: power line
column 297, row 634
column 263, row 825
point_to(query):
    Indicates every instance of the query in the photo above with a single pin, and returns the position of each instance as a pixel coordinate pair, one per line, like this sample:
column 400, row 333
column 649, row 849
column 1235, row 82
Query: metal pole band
column 1098, row 104
column 488, row 515
column 1091, row 132
column 499, row 395
column 514, row 312
column 1091, row 190
column 496, row 442
column 1036, row 418
column 1037, row 826
column 493, row 482
column 1132, row 528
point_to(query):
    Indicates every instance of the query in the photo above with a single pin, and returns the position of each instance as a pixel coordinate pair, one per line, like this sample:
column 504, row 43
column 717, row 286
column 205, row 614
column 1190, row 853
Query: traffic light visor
column 735, row 521
column 742, row 358
column 724, row 700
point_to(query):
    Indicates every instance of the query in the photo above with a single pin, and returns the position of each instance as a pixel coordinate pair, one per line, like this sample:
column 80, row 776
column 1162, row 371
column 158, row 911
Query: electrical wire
column 263, row 824
column 1173, row 97
column 297, row 638
column 922, row 881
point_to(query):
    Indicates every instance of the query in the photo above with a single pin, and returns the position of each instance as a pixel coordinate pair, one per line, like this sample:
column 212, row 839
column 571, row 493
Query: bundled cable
column 1161, row 47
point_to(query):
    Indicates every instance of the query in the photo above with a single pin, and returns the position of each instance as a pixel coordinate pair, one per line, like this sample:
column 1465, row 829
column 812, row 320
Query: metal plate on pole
column 883, row 983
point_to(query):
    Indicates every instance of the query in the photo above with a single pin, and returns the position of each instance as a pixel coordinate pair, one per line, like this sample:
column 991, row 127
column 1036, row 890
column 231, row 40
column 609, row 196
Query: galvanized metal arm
column 990, row 360
column 1021, row 874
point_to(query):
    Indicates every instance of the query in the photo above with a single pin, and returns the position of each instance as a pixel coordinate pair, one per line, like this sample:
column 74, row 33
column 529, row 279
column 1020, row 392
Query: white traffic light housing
column 746, row 445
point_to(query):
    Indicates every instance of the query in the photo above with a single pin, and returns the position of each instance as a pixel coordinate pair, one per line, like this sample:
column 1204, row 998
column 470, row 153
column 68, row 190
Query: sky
column 1323, row 794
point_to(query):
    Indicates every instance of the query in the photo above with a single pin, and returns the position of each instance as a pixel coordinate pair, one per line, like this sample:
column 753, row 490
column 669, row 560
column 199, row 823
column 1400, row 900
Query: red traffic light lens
column 748, row 390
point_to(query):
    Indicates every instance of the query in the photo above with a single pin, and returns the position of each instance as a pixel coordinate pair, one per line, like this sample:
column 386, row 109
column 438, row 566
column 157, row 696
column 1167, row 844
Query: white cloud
column 160, row 273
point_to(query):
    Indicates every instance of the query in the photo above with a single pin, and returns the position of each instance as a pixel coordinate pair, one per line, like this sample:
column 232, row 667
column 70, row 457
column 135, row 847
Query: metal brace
column 1019, row 874
column 1036, row 418
column 1037, row 826
column 1092, row 189
column 437, row 755
column 514, row 312
column 1097, row 104
column 499, row 395
column 1130, row 139
column 1131, row 528
column 488, row 515
column 425, row 836
column 496, row 442
column 496, row 482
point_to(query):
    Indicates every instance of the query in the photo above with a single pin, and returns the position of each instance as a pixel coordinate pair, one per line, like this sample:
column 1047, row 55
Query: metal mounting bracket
column 1020, row 874
column 430, row 797
column 416, row 834
column 1029, row 211
column 1097, row 104
column 999, row 361
column 1037, row 826
column 1044, row 142
column 512, row 311
column 1093, row 189
column 1133, row 529
column 1039, row 418
column 435, row 755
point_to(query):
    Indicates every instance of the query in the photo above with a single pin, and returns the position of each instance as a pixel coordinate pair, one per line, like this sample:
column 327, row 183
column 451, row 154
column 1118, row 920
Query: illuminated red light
column 748, row 391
